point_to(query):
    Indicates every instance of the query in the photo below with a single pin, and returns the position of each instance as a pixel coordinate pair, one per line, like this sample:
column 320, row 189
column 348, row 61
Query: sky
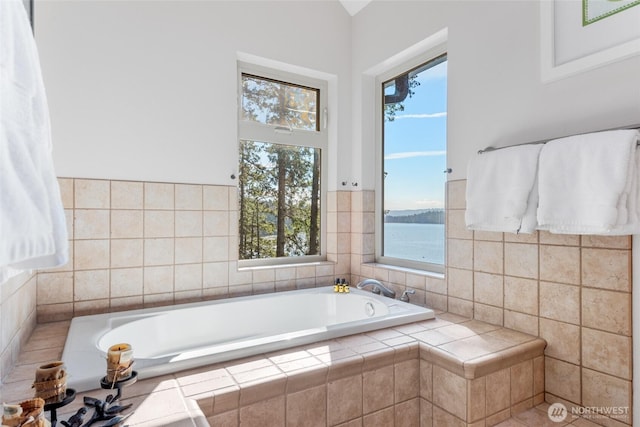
column 415, row 146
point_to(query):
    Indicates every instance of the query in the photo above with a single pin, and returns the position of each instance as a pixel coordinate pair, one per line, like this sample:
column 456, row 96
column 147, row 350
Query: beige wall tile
column 498, row 391
column 188, row 223
column 538, row 375
column 343, row 201
column 490, row 236
column 91, row 254
column 215, row 274
column 607, row 310
column 344, row 399
column 407, row 413
column 188, row 250
column 127, row 195
column 563, row 340
column 382, row 418
column 607, row 353
column 307, row 407
column 91, row 224
column 426, row 380
column 188, row 197
column 521, row 260
column 521, row 295
column 66, row 192
column 521, row 237
column 547, row 238
column 456, row 227
column 606, row 269
column 460, row 253
column 488, row 257
column 216, row 223
column 488, row 289
column 521, row 322
column 603, row 390
column 158, row 280
column 560, row 302
column 377, row 389
column 450, row 392
column 188, row 277
column 460, row 283
column 126, row 253
column 126, row 282
column 86, row 308
column 265, row 413
column 158, row 251
column 92, row 194
column 488, row 313
column 126, row 224
column 560, row 264
column 611, row 242
column 216, row 197
column 453, row 305
column 159, row 196
column 476, row 399
column 54, row 288
column 159, row 223
column 443, row 418
column 562, row 379
column 456, row 194
column 406, row 386
column 91, row 285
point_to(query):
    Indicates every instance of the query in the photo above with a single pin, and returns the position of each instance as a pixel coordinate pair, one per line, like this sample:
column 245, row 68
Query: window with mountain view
column 414, row 159
column 280, row 177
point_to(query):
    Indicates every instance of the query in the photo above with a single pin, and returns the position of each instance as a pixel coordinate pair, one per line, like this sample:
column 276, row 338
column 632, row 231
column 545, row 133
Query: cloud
column 421, row 116
column 410, row 154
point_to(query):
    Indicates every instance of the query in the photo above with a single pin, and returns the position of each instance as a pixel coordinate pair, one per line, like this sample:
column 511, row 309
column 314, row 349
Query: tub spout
column 378, row 287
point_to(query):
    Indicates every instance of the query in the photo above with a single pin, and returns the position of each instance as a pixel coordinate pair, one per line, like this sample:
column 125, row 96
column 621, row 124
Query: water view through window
column 414, row 149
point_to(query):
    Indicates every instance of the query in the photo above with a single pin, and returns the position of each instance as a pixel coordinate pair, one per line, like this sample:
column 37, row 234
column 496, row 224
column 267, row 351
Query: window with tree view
column 414, row 158
column 280, row 169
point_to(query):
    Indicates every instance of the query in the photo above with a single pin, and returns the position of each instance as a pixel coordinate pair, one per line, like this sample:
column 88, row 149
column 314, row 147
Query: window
column 282, row 144
column 414, row 122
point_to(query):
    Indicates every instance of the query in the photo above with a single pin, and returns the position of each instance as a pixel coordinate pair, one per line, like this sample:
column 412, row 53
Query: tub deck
column 387, row 374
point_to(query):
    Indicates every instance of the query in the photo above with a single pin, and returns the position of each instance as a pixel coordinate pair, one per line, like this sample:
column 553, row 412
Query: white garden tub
column 170, row 339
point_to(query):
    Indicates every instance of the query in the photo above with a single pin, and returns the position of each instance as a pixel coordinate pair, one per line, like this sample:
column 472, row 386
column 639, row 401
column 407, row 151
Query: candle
column 119, row 362
column 51, row 382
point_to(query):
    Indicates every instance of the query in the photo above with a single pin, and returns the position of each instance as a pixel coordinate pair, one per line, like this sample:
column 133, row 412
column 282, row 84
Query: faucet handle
column 405, row 295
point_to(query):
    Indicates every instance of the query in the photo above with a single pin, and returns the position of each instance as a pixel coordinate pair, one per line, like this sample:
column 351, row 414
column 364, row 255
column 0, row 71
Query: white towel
column 501, row 190
column 32, row 223
column 588, row 184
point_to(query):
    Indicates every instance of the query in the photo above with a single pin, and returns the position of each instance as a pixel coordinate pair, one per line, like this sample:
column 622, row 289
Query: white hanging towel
column 588, row 184
column 501, row 190
column 32, row 224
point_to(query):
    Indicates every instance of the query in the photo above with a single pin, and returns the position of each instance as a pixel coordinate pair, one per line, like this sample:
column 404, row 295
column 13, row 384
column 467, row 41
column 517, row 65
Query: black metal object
column 108, row 411
column 70, row 395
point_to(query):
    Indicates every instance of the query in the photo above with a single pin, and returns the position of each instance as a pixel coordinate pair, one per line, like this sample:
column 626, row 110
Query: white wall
column 145, row 90
column 496, row 96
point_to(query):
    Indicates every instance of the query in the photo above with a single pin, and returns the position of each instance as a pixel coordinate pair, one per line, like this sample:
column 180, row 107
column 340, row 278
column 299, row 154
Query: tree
column 279, row 184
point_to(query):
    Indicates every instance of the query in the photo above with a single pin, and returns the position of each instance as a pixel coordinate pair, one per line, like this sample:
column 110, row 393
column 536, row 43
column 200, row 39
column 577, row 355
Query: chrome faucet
column 378, row 287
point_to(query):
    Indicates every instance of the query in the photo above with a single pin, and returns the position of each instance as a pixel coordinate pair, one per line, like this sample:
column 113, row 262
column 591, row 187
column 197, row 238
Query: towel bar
column 488, row 149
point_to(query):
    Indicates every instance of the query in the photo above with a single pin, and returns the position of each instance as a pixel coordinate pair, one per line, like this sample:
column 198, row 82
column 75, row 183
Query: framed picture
column 570, row 46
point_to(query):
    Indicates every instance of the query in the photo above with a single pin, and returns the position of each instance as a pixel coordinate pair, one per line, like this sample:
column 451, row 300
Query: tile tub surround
column 17, row 318
column 449, row 371
column 143, row 244
column 572, row 291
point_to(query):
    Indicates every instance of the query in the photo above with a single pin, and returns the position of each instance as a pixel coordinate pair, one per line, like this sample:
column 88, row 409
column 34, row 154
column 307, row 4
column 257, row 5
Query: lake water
column 418, row 242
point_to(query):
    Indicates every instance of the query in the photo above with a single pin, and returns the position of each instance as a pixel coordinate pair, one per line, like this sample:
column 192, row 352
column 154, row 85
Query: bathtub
column 185, row 336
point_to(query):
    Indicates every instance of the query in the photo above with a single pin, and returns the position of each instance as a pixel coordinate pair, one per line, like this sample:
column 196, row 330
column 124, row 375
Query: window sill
column 416, row 271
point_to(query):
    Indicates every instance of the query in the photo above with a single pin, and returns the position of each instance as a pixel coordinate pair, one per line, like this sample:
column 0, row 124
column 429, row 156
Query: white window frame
column 254, row 131
column 430, row 52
